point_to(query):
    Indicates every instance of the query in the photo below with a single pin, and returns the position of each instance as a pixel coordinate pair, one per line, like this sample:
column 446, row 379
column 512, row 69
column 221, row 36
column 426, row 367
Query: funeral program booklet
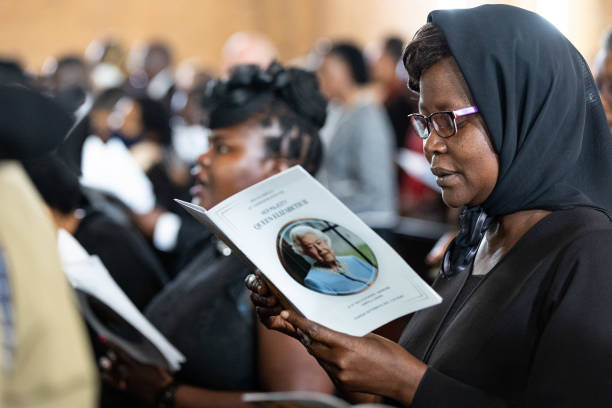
column 325, row 261
column 110, row 312
column 300, row 399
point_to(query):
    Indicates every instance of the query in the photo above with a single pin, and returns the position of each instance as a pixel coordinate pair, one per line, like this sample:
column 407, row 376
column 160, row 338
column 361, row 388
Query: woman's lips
column 197, row 189
column 444, row 177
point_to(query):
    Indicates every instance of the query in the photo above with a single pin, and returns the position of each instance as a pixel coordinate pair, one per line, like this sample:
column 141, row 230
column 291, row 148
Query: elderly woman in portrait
column 330, row 274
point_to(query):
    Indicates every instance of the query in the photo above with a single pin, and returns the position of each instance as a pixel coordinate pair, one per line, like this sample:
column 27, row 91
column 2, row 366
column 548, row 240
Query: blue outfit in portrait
column 358, row 276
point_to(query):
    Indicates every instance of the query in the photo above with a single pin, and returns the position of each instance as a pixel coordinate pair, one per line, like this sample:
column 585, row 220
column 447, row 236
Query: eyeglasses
column 443, row 122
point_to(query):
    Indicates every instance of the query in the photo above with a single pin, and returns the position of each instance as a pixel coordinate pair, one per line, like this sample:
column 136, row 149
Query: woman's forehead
column 309, row 236
column 442, row 87
column 247, row 130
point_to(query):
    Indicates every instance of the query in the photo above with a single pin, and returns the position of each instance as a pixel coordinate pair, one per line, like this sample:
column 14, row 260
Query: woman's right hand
column 123, row 372
column 267, row 306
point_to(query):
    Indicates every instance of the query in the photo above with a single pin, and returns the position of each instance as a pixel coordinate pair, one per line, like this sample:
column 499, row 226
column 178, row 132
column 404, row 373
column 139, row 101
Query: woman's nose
column 434, row 144
column 204, row 159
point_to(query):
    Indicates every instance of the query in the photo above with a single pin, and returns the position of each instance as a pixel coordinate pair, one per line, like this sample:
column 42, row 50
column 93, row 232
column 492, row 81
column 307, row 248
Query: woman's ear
column 282, row 164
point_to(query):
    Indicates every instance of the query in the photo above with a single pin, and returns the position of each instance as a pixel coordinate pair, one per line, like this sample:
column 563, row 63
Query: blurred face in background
column 335, row 78
column 156, row 60
column 237, row 158
column 69, row 76
column 127, row 118
column 383, row 68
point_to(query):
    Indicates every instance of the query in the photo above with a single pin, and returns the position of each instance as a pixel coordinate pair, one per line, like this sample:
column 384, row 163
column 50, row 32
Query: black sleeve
column 439, row 390
column 572, row 363
column 126, row 255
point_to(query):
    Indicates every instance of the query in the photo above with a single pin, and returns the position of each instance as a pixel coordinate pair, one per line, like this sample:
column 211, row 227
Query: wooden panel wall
column 34, row 29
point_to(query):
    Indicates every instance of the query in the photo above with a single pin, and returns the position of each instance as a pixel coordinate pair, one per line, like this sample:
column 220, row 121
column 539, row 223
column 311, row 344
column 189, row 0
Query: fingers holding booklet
column 267, row 306
column 368, row 364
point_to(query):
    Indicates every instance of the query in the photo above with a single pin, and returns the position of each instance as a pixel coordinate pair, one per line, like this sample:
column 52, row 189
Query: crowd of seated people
column 139, row 139
column 134, row 133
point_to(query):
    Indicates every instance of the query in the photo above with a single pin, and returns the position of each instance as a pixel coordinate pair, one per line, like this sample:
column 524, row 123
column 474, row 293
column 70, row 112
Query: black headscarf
column 539, row 101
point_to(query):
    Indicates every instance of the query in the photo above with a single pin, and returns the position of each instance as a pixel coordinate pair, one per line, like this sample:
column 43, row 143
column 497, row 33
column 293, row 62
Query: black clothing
column 71, row 149
column 26, row 117
column 541, row 107
column 126, row 255
column 535, row 332
column 190, row 241
column 205, row 312
column 164, row 188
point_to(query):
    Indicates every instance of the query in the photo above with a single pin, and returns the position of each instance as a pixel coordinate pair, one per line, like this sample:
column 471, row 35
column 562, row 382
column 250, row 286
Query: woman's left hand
column 369, row 364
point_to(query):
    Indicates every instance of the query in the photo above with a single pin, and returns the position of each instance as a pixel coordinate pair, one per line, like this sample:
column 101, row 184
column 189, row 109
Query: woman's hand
column 123, row 372
column 369, row 364
column 267, row 305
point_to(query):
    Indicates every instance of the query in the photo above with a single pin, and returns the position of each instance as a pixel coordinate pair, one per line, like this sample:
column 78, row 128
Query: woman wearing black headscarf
column 516, row 134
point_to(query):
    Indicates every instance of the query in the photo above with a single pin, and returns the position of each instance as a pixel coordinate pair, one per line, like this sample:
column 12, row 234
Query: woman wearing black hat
column 515, row 132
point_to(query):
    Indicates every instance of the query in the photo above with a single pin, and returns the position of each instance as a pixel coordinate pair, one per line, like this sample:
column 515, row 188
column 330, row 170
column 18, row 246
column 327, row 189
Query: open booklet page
column 110, row 312
column 328, row 263
column 299, row 399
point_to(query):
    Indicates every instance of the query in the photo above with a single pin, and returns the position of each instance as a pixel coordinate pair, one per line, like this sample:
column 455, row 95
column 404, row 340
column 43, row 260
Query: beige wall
column 34, row 29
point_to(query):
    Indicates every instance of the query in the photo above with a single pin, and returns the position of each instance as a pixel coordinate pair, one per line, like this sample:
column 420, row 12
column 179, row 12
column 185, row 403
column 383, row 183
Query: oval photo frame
column 326, row 257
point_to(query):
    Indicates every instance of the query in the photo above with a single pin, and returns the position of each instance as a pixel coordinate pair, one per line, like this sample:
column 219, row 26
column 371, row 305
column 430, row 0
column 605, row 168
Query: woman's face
column 317, row 248
column 334, row 77
column 236, row 159
column 465, row 165
column 129, row 115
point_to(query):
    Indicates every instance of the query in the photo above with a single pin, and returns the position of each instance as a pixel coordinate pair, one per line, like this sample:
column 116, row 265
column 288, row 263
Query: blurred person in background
column 157, row 66
column 247, row 48
column 129, row 156
column 416, row 199
column 190, row 123
column 70, row 85
column 205, row 311
column 107, row 60
column 359, row 165
column 151, row 73
column 394, row 94
column 146, row 132
column 106, row 163
column 124, row 252
column 603, row 75
column 45, row 360
column 190, row 117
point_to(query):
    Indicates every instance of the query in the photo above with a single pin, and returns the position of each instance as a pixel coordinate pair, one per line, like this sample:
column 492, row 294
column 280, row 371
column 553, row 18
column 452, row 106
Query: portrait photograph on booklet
column 326, row 257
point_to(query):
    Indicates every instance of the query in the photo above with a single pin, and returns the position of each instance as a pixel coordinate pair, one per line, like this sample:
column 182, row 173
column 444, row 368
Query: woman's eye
column 221, row 149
